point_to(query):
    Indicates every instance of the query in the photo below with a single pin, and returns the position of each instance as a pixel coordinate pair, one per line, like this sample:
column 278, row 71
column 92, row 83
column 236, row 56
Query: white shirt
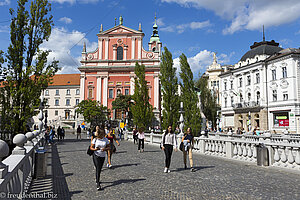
column 101, row 143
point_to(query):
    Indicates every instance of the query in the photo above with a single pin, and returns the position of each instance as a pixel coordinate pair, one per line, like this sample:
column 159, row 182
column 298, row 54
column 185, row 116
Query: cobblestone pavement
column 140, row 176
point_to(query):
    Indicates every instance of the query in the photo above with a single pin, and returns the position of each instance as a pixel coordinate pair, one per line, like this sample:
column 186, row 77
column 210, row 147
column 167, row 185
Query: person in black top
column 78, row 132
column 188, row 141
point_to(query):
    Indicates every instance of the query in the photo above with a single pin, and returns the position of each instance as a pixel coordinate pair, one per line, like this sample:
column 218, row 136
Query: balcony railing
column 246, row 104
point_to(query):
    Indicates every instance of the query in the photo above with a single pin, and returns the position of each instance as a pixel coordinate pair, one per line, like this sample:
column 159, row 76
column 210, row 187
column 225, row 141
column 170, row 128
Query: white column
column 105, row 88
column 156, row 91
column 131, row 85
column 106, row 49
column 132, row 48
column 100, row 90
column 125, row 52
column 98, row 94
column 82, row 81
column 139, row 48
column 100, row 49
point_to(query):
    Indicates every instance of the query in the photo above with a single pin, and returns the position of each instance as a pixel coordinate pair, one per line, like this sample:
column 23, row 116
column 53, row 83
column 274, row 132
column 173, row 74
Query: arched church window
column 119, row 53
column 153, row 49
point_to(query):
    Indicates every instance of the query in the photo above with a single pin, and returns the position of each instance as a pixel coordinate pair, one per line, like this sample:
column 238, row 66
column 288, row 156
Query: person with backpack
column 168, row 142
column 188, row 141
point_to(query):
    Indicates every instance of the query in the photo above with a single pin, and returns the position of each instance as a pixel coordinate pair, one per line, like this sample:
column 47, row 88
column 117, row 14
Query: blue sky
column 193, row 27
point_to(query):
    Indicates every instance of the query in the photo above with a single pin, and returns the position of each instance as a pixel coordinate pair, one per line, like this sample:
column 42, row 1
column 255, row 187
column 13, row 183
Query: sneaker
column 142, row 150
column 169, row 171
column 192, row 169
column 99, row 187
column 166, row 170
column 107, row 165
column 110, row 166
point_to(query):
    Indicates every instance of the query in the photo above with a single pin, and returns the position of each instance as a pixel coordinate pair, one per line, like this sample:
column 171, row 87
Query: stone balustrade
column 283, row 150
column 16, row 171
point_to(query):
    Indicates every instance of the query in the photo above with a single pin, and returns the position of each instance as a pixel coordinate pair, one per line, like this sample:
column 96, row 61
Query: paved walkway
column 140, row 176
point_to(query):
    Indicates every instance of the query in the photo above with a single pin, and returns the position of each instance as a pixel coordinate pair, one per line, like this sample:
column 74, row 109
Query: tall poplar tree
column 169, row 90
column 28, row 71
column 142, row 110
column 208, row 100
column 192, row 116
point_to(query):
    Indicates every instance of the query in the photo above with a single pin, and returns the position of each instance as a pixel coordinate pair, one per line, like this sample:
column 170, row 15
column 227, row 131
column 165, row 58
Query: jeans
column 98, row 162
column 168, row 152
column 141, row 143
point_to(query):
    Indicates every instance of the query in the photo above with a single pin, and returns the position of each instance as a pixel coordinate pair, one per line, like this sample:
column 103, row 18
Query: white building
column 263, row 89
column 62, row 95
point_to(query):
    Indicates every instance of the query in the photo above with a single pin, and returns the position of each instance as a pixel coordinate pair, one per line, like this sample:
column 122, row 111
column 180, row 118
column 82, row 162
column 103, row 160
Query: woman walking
column 188, row 142
column 100, row 144
column 111, row 137
column 168, row 142
column 141, row 137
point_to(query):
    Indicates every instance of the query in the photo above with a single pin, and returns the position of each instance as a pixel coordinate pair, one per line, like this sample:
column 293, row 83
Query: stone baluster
column 244, row 150
column 276, row 155
column 254, row 151
column 283, row 157
column 217, row 147
column 235, row 151
column 19, row 141
column 224, row 148
column 4, row 151
column 291, row 159
column 240, row 151
column 29, row 136
column 212, row 147
column 297, row 157
column 206, row 146
column 221, row 148
column 249, row 154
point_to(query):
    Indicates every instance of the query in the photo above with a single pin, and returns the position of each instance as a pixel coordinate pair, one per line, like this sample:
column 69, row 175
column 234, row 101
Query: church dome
column 262, row 48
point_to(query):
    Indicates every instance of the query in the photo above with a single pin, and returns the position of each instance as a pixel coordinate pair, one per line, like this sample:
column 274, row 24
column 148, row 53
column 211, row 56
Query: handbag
column 89, row 151
column 181, row 146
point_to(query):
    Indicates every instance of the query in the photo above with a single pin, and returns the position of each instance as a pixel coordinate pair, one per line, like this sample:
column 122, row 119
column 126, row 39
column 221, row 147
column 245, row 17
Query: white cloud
column 248, row 14
column 183, row 27
column 160, row 22
column 60, row 43
column 202, row 60
column 4, row 2
column 4, row 29
column 66, row 20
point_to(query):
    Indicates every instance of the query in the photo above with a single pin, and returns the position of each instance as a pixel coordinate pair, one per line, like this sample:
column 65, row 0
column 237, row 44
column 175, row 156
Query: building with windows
column 61, row 97
column 263, row 89
column 213, row 81
column 109, row 70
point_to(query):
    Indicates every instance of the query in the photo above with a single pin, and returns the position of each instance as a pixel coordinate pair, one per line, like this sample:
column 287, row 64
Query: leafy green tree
column 92, row 111
column 208, row 100
column 123, row 103
column 192, row 116
column 169, row 90
column 28, row 70
column 141, row 108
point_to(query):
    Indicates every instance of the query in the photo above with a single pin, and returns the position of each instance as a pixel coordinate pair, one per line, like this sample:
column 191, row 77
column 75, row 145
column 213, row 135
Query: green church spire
column 154, row 36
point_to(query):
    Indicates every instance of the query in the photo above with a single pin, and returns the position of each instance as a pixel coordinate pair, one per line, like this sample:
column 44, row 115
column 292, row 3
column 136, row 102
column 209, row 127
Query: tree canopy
column 208, row 100
column 92, row 111
column 192, row 116
column 141, row 108
column 169, row 90
column 28, row 70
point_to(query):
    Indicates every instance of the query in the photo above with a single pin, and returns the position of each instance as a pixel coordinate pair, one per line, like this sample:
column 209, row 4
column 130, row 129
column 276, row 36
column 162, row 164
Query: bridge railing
column 283, row 150
column 16, row 171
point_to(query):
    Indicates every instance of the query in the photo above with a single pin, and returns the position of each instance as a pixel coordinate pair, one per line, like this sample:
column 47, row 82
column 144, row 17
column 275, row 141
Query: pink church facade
column 109, row 70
